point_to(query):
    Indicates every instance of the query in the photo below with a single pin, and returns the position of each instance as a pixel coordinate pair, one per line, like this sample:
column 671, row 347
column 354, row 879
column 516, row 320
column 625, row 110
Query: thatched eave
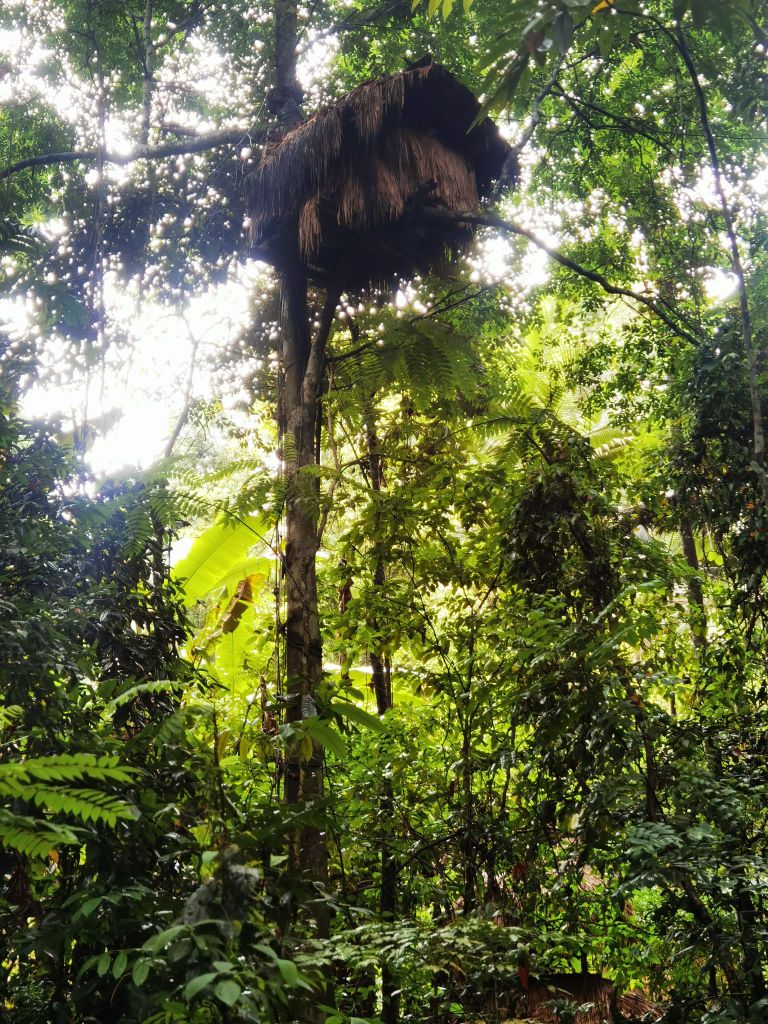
column 340, row 194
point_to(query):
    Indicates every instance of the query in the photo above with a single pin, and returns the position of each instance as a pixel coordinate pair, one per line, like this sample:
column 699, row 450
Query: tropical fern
column 423, row 353
column 290, row 450
column 32, row 837
column 178, row 726
column 8, row 714
column 609, row 441
column 17, row 237
column 14, row 775
column 85, row 804
column 139, row 689
column 38, row 782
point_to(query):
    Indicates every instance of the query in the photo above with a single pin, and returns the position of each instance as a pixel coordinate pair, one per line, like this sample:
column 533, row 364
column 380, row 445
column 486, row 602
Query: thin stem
column 510, row 172
column 184, row 414
column 148, row 81
column 737, row 266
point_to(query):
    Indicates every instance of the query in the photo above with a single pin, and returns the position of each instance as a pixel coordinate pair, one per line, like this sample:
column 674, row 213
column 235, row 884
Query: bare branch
column 510, row 172
column 198, row 144
column 184, row 414
column 492, row 221
column 358, row 19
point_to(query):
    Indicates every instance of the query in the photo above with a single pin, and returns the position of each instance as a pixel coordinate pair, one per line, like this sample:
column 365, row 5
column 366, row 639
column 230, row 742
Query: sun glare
column 132, row 402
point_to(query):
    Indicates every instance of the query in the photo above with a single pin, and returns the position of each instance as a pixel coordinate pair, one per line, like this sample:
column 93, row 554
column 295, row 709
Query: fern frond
column 32, row 837
column 613, row 449
column 15, row 775
column 8, row 714
column 38, row 781
column 139, row 528
column 245, row 465
column 89, row 805
column 192, row 505
column 137, row 690
column 164, row 506
column 176, row 727
column 290, row 450
column 607, row 434
column 538, row 386
column 610, row 441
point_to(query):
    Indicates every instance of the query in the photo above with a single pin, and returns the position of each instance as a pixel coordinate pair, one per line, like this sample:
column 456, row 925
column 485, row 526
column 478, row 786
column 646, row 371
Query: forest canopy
column 383, row 511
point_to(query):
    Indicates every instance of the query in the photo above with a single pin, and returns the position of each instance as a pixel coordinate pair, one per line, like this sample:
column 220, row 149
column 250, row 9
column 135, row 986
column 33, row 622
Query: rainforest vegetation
column 451, row 708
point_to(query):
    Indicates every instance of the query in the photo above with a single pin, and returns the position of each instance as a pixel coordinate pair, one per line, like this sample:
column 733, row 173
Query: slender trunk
column 751, row 352
column 284, row 100
column 720, row 944
column 380, row 677
column 696, row 607
column 749, row 925
column 378, row 673
column 468, row 843
column 148, row 72
column 469, row 836
column 299, row 391
column 302, row 368
column 655, row 812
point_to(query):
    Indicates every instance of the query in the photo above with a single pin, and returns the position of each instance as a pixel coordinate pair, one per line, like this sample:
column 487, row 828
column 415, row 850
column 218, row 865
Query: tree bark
column 300, row 385
column 696, row 608
column 284, row 100
column 303, row 649
column 148, row 72
column 382, row 688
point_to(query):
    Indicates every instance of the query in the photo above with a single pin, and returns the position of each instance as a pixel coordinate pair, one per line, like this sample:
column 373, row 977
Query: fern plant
column 50, row 785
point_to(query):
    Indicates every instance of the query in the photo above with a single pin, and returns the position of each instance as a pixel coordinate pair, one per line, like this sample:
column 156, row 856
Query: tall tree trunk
column 303, row 651
column 147, row 55
column 284, row 100
column 750, row 921
column 300, row 385
column 468, row 842
column 382, row 688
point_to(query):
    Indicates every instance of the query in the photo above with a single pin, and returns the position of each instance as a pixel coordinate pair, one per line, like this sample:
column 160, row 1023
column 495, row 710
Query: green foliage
column 37, row 781
column 529, row 33
column 542, row 567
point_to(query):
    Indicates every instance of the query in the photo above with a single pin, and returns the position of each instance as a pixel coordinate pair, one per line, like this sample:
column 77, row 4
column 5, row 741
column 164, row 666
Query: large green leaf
column 357, row 715
column 221, row 555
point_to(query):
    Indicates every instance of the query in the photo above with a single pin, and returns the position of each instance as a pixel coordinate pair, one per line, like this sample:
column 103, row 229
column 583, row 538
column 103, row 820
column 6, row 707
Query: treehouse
column 361, row 192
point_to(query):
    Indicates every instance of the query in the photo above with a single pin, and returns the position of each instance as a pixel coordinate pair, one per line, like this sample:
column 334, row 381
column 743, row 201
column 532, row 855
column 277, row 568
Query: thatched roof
column 582, row 989
column 341, row 193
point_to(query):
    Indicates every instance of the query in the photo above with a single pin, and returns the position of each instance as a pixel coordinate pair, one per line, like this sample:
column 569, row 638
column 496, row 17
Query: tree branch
column 510, row 172
column 199, row 144
column 184, row 414
column 492, row 221
column 758, row 430
column 625, row 124
column 358, row 19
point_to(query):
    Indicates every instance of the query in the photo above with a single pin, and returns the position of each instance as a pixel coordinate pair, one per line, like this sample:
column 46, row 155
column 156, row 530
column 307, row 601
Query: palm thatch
column 340, row 195
column 545, row 996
